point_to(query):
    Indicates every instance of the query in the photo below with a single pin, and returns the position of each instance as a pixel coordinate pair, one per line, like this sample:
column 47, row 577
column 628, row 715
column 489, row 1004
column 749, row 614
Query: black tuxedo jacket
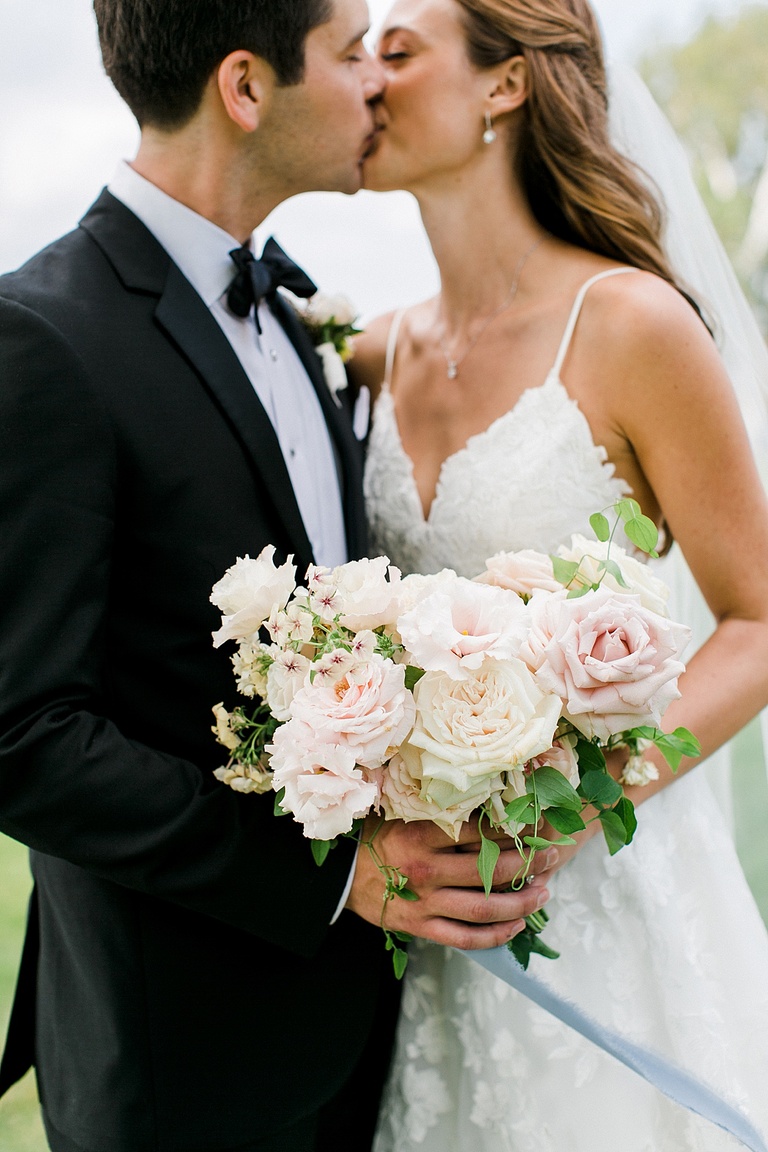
column 181, row 987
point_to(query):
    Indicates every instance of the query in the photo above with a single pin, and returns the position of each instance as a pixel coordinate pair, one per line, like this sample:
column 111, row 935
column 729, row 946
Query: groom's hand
column 452, row 908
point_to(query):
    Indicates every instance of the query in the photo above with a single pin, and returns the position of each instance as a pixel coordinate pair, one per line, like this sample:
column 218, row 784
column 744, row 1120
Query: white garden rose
column 469, row 731
column 638, row 576
column 521, row 572
column 326, row 308
column 286, row 676
column 324, row 789
column 461, row 625
column 367, row 593
column 249, row 592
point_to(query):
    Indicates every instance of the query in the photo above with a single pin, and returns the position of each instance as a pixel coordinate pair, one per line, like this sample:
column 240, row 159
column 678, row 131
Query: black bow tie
column 257, row 279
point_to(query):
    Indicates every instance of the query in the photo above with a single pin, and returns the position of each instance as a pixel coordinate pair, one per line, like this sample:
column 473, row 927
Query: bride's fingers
column 471, row 937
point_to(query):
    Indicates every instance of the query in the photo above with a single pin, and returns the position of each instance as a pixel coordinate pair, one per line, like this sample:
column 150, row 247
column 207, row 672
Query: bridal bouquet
column 441, row 698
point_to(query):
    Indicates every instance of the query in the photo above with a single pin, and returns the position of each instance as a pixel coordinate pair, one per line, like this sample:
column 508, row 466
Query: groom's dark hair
column 160, row 54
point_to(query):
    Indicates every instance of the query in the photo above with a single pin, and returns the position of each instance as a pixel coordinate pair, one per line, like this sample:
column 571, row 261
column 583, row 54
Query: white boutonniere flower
column 330, row 321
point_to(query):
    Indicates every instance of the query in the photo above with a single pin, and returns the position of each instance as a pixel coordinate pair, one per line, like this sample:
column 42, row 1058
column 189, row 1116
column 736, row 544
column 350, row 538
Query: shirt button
column 273, row 355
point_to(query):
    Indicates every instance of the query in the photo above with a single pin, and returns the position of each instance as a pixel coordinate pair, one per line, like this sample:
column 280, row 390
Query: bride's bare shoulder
column 368, row 364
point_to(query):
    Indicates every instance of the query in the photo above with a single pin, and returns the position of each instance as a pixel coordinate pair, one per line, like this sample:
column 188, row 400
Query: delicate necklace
column 452, row 362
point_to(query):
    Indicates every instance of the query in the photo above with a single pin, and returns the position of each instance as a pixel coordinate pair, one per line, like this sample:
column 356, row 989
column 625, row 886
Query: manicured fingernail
column 551, row 857
column 543, row 899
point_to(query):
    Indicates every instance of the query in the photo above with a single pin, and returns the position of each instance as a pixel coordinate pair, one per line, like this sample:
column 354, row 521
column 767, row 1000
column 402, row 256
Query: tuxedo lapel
column 143, row 265
column 187, row 321
column 339, row 424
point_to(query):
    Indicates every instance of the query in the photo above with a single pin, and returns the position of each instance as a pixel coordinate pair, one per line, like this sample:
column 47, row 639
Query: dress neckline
column 553, row 378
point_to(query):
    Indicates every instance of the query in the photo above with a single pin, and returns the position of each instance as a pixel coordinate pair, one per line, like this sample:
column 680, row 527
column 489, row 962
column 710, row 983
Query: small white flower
column 223, row 729
column 638, row 771
column 333, row 369
column 333, row 667
column 286, row 676
column 246, row 778
column 249, row 663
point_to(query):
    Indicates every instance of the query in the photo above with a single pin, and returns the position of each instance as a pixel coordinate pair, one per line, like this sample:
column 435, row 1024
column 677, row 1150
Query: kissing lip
column 372, row 142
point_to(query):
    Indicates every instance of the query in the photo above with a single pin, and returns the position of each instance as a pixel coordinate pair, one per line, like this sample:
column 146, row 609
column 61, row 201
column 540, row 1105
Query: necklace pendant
column 453, row 369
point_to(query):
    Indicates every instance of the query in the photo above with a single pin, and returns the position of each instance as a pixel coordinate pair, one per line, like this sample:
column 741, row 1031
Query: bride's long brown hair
column 579, row 187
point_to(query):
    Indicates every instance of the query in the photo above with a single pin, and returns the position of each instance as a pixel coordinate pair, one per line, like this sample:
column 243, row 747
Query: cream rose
column 461, row 625
column 638, row 576
column 614, row 663
column 402, row 796
column 469, row 731
column 521, row 572
column 368, row 710
column 249, row 592
column 561, row 756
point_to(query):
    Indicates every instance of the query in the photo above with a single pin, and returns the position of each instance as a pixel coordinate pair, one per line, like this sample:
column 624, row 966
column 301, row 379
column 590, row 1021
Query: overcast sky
column 62, row 130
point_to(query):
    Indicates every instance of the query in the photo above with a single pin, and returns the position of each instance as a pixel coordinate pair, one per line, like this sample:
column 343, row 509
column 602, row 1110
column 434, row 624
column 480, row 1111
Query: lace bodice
column 528, row 481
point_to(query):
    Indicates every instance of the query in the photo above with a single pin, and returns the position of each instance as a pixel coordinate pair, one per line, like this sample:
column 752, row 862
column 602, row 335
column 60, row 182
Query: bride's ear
column 512, row 87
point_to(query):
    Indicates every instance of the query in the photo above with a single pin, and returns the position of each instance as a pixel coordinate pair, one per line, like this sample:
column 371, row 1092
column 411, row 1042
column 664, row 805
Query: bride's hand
column 452, row 908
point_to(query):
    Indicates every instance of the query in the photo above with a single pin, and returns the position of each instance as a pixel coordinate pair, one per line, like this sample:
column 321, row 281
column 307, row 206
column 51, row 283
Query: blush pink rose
column 324, row 789
column 368, row 710
column 455, row 629
column 614, row 663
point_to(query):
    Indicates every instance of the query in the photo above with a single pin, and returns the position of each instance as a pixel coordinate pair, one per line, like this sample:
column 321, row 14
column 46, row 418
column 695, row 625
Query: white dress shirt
column 200, row 249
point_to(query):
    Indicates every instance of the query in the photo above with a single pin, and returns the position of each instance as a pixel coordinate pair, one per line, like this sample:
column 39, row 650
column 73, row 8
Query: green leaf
column 612, row 567
column 412, row 676
column 279, row 810
column 407, row 894
column 520, row 811
column 553, row 790
column 601, row 789
column 537, row 842
column 628, row 509
column 577, row 593
column 590, row 757
column 399, row 962
column 625, row 810
column 541, row 949
column 521, row 947
column 643, row 533
column 565, row 820
column 403, row 937
column 320, row 850
column 675, row 745
column 564, row 570
column 614, row 831
column 600, row 527
column 486, row 862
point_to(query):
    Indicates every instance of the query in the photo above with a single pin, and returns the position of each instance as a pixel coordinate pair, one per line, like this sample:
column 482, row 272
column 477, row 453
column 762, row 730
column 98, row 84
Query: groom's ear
column 245, row 83
column 512, row 86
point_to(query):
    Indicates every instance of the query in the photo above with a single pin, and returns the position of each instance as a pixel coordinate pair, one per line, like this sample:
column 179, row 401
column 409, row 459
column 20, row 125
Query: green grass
column 20, row 1128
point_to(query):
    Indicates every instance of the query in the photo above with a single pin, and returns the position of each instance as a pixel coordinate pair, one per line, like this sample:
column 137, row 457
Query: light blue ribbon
column 661, row 1073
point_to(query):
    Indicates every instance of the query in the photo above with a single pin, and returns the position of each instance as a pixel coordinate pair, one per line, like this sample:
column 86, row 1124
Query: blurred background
column 63, row 129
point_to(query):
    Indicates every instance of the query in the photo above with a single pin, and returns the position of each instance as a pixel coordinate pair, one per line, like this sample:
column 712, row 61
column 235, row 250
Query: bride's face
column 432, row 114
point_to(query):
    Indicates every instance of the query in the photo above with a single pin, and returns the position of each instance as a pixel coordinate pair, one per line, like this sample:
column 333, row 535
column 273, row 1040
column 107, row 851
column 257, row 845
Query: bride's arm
column 679, row 439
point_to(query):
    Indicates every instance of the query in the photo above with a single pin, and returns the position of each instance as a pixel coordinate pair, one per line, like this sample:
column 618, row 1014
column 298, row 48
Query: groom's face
column 323, row 128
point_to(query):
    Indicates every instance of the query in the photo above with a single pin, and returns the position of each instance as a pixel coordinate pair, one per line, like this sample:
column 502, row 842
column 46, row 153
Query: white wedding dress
column 662, row 943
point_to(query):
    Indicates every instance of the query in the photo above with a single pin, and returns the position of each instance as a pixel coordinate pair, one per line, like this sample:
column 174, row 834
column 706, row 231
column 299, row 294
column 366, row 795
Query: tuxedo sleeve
column 72, row 785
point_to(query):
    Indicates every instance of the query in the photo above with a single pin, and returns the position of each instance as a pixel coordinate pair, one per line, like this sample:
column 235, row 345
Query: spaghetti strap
column 394, row 332
column 576, row 312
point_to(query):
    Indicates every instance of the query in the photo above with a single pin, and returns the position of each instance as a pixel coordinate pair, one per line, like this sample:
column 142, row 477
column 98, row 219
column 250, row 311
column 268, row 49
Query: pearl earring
column 489, row 135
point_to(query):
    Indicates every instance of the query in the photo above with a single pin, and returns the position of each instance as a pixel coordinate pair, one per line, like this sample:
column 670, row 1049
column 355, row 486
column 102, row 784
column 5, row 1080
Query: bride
column 561, row 367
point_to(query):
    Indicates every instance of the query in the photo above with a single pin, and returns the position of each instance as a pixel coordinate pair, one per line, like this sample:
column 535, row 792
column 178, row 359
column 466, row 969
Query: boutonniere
column 330, row 321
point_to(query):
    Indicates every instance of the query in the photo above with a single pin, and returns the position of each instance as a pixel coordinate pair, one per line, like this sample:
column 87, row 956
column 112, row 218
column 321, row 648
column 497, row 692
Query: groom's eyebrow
column 356, row 39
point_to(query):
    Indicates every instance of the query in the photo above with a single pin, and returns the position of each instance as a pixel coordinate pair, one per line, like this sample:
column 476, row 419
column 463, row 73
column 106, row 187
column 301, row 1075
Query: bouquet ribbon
column 673, row 1081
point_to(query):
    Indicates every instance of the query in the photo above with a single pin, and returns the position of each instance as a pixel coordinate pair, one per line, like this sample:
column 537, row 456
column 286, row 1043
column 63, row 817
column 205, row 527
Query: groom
column 187, row 983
